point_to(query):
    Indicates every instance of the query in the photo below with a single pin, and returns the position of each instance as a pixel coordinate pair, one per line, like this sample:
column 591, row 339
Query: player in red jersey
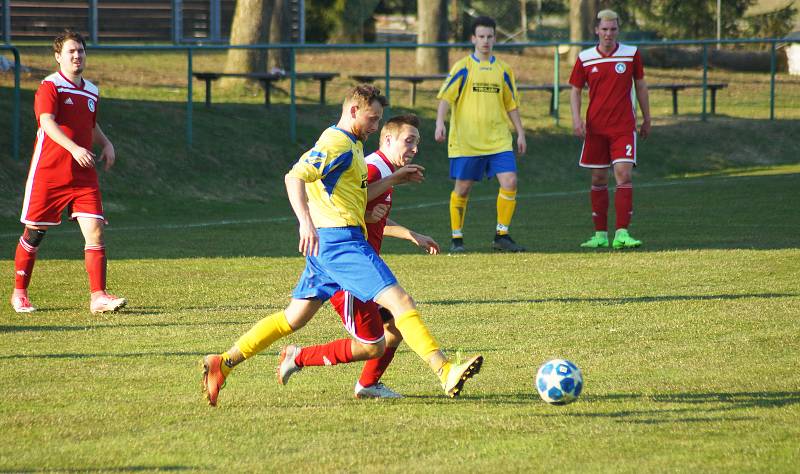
column 62, row 173
column 375, row 335
column 609, row 132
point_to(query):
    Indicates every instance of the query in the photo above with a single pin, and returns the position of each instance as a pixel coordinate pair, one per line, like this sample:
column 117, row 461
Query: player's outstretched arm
column 108, row 154
column 84, row 157
column 406, row 174
column 426, row 243
column 522, row 144
column 643, row 96
column 441, row 113
column 309, row 240
column 578, row 125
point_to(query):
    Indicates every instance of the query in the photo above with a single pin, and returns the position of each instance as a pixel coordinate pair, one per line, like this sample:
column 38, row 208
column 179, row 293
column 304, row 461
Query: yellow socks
column 458, row 209
column 416, row 335
column 506, row 203
column 264, row 333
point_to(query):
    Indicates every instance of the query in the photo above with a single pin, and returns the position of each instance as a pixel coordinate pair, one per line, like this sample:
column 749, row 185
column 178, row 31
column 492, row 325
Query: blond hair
column 607, row 15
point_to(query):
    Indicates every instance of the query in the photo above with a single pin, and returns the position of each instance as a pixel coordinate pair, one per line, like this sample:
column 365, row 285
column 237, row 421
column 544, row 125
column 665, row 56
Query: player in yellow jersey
column 482, row 92
column 327, row 189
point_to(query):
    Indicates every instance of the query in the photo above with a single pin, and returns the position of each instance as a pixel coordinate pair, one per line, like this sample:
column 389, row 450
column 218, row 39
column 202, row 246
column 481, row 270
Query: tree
column 251, row 24
column 352, row 20
column 280, row 31
column 679, row 19
column 432, row 28
column 581, row 24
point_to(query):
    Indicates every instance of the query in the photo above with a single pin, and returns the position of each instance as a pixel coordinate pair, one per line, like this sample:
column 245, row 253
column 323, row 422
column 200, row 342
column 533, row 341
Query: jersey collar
column 76, row 86
column 349, row 135
column 475, row 58
column 609, row 54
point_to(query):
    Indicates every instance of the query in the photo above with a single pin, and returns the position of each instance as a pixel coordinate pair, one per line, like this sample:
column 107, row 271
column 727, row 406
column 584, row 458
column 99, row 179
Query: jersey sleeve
column 510, row 93
column 638, row 67
column 46, row 100
column 578, row 77
column 454, row 83
column 373, row 173
column 321, row 161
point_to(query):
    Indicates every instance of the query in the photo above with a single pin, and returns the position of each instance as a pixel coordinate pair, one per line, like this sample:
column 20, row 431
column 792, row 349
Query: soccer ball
column 559, row 382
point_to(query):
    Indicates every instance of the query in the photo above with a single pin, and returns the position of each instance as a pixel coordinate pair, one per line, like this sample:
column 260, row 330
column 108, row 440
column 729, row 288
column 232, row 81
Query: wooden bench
column 266, row 79
column 675, row 88
column 413, row 80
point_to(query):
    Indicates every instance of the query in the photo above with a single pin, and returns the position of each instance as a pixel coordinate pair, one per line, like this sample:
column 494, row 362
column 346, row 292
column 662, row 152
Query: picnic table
column 266, row 79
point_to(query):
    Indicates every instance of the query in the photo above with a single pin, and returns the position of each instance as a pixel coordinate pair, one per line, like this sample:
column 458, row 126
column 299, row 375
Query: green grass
column 689, row 346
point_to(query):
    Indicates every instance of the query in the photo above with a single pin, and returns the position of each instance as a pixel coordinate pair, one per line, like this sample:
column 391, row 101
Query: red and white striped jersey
column 75, row 110
column 610, row 79
column 378, row 167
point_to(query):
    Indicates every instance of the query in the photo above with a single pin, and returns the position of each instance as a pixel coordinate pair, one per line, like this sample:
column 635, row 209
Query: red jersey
column 610, row 78
column 75, row 110
column 378, row 167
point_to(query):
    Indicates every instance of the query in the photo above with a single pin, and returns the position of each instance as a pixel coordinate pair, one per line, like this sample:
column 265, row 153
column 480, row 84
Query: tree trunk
column 431, row 28
column 280, row 32
column 582, row 14
column 250, row 26
column 352, row 18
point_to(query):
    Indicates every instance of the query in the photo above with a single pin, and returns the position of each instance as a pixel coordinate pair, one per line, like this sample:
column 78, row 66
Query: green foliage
column 679, row 19
column 322, row 18
column 775, row 24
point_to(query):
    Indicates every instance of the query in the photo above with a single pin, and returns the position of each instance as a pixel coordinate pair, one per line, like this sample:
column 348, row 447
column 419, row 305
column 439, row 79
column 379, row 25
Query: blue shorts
column 475, row 168
column 345, row 262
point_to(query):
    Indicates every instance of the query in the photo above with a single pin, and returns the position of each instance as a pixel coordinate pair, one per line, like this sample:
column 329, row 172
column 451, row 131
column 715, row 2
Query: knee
column 373, row 351
column 33, row 236
column 393, row 335
column 462, row 188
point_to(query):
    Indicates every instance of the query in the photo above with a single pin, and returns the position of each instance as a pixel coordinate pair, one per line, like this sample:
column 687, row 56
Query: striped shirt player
column 483, row 95
column 327, row 189
column 62, row 174
column 610, row 70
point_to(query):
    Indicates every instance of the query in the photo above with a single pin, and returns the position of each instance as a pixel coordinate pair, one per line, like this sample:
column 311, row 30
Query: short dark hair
column 66, row 35
column 366, row 94
column 483, row 21
column 396, row 123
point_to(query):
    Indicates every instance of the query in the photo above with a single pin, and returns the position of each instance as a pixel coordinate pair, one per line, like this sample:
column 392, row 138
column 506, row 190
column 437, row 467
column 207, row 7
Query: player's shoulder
column 335, row 140
column 625, row 50
column 90, row 88
column 375, row 160
column 55, row 80
column 589, row 54
column 502, row 64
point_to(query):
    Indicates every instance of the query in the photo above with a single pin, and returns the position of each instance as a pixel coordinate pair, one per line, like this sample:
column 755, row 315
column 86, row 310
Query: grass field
column 689, row 346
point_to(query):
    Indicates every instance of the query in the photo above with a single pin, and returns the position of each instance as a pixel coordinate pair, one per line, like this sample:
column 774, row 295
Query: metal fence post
column 177, row 21
column 93, row 21
column 772, row 67
column 293, row 104
column 705, row 80
column 189, row 103
column 7, row 21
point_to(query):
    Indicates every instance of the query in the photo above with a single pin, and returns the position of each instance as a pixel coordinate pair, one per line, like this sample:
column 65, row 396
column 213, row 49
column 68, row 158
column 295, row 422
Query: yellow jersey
column 335, row 174
column 480, row 94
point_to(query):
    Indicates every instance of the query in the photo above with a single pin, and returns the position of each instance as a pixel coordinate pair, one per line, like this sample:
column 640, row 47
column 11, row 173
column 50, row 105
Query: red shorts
column 361, row 319
column 43, row 204
column 602, row 151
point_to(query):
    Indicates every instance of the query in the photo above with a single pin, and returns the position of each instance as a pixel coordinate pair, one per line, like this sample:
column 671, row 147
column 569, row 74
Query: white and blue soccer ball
column 559, row 382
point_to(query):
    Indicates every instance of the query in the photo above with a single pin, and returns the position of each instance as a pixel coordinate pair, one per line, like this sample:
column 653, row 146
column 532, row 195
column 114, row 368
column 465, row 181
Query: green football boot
column 599, row 240
column 622, row 240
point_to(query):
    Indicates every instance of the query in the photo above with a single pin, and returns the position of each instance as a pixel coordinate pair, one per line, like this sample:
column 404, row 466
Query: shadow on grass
column 616, row 301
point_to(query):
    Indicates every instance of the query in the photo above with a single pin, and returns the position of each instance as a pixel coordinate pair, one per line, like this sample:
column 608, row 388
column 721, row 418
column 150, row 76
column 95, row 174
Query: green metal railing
column 387, row 47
